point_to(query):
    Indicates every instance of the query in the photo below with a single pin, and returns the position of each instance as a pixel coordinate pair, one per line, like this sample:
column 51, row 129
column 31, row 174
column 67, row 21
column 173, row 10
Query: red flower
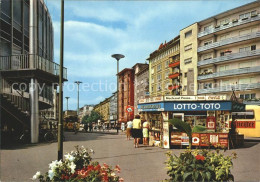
column 200, row 157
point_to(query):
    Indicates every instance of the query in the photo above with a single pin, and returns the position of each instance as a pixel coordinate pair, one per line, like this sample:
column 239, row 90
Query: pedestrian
column 129, row 126
column 123, row 127
column 104, row 127
column 146, row 126
column 137, row 130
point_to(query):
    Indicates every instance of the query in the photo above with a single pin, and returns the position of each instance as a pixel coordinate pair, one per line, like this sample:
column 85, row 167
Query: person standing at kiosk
column 137, row 131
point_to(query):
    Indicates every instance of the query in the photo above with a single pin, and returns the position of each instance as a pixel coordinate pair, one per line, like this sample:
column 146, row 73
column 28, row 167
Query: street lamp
column 117, row 57
column 67, row 102
column 78, row 82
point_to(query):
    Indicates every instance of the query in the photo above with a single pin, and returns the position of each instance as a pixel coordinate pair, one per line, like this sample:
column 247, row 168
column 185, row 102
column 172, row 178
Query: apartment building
column 228, row 53
column 103, row 109
column 113, row 107
column 141, row 86
column 164, row 76
column 85, row 110
column 126, row 94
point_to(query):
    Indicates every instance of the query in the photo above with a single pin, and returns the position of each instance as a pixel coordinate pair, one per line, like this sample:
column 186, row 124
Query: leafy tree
column 84, row 119
column 94, row 117
column 186, row 128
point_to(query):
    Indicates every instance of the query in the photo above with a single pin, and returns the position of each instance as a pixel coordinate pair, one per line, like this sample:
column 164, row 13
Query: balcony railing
column 228, row 88
column 174, row 75
column 229, row 41
column 173, row 87
column 45, row 94
column 230, row 72
column 30, row 61
column 232, row 56
column 231, row 24
column 174, row 64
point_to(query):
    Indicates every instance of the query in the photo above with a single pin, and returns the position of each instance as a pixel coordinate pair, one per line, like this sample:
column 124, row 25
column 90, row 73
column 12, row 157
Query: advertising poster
column 184, row 139
column 204, row 139
column 175, row 138
column 166, row 137
column 196, row 139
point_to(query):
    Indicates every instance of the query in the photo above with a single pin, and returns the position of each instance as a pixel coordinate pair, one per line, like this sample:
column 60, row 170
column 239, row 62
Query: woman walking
column 145, row 132
column 137, row 131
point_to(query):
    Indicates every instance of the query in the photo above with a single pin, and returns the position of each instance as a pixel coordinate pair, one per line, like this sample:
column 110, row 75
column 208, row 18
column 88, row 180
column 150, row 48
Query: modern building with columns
column 27, row 69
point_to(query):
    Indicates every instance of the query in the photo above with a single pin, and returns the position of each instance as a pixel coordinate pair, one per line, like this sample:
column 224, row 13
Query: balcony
column 173, row 87
column 229, row 88
column 252, row 102
column 30, row 62
column 232, row 56
column 230, row 41
column 229, row 25
column 174, row 75
column 174, row 64
column 230, row 72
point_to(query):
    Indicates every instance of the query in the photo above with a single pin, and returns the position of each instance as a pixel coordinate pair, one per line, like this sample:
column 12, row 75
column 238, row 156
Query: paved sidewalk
column 144, row 164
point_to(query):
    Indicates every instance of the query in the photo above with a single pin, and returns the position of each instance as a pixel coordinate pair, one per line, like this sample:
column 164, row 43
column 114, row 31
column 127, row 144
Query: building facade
column 83, row 111
column 126, row 94
column 229, row 53
column 113, row 107
column 163, row 75
column 103, row 109
column 26, row 64
column 141, row 84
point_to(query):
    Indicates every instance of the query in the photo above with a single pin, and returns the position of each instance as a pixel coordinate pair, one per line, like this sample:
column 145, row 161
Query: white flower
column 59, row 163
column 36, row 176
column 91, row 151
column 50, row 174
column 53, row 165
column 72, row 167
column 69, row 157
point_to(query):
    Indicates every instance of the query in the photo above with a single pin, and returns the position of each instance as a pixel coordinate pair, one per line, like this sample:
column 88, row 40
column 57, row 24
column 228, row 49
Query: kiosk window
column 243, row 115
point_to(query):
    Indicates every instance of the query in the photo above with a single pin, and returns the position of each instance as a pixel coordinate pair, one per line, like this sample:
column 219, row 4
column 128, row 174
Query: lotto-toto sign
column 129, row 109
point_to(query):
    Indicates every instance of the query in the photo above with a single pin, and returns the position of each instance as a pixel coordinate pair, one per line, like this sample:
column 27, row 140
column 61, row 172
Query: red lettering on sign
column 245, row 124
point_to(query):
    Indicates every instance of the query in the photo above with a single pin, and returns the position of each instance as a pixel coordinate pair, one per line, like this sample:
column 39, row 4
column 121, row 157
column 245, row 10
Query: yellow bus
column 248, row 122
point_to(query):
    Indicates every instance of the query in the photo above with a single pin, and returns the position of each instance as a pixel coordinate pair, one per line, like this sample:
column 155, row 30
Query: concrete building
column 141, row 84
column 126, row 94
column 229, row 53
column 27, row 68
column 163, row 75
column 113, row 108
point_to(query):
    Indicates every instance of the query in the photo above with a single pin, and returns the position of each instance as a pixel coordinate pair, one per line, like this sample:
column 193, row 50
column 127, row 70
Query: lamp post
column 78, row 82
column 117, row 57
column 67, row 102
column 60, row 126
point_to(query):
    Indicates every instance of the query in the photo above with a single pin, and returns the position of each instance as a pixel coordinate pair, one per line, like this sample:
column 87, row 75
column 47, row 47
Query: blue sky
column 94, row 30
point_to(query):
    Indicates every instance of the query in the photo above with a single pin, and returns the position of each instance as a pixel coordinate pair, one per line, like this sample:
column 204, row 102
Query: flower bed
column 78, row 166
column 200, row 165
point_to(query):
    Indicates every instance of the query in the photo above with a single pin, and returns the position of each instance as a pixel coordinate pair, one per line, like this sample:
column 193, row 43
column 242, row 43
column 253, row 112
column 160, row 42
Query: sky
column 94, row 30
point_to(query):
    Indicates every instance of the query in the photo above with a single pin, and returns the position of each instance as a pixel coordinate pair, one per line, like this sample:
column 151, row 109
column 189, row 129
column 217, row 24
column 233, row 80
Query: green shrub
column 200, row 165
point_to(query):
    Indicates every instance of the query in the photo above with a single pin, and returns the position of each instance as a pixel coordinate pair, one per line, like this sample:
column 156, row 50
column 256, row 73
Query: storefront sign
column 175, row 138
column 238, row 107
column 129, row 109
column 197, row 106
column 151, row 107
column 166, row 137
column 194, row 98
column 211, row 123
column 213, row 139
column 245, row 124
column 204, row 139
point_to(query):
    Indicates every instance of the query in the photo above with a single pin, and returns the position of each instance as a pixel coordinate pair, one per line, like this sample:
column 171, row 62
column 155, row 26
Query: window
column 247, row 96
column 187, row 61
column 253, row 47
column 167, row 63
column 245, row 15
column 207, row 56
column 159, row 67
column 243, row 115
column 188, row 47
column 159, row 86
column 185, row 75
column 224, row 68
column 247, row 80
column 166, row 84
column 207, row 28
column 207, row 42
column 244, row 49
column 159, row 76
column 224, row 22
column 223, row 37
column 247, row 64
column 207, row 85
column 166, row 73
column 185, row 88
column 188, row 34
column 222, row 54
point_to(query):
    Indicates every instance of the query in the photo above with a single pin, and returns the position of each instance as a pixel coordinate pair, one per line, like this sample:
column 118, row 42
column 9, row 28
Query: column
column 34, row 104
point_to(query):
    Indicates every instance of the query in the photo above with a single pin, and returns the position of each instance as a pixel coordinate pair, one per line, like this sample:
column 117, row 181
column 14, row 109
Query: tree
column 84, row 119
column 186, row 128
column 94, row 117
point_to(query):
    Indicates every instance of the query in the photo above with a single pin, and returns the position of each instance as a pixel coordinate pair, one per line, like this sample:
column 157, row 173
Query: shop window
column 243, row 115
column 188, row 34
